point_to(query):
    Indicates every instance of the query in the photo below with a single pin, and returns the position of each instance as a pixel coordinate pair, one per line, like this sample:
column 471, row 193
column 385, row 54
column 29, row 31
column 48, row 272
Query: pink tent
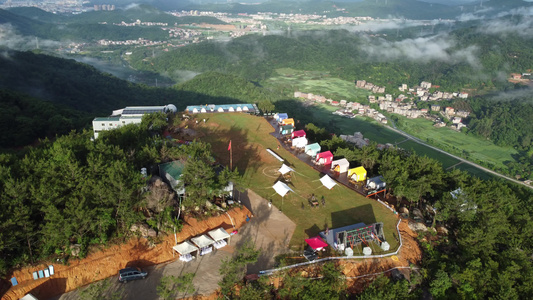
column 297, row 134
column 316, row 243
column 324, row 158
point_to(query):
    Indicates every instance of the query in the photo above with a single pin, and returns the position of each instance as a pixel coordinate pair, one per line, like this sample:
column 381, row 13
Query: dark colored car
column 128, row 274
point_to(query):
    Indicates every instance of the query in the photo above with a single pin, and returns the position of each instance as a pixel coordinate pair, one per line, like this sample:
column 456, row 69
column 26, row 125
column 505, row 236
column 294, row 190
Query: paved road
column 269, row 229
column 417, row 140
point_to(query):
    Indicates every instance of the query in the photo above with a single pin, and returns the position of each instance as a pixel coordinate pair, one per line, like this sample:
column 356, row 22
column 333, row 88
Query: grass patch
column 250, row 137
column 471, row 147
column 318, row 82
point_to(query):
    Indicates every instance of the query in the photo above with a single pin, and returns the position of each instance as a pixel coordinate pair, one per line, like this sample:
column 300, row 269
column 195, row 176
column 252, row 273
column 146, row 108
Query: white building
column 128, row 115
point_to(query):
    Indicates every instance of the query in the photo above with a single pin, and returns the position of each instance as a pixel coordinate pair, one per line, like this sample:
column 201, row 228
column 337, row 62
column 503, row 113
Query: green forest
column 74, row 190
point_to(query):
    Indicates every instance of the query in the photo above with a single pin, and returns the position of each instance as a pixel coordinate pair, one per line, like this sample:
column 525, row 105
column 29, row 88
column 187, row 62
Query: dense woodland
column 77, row 191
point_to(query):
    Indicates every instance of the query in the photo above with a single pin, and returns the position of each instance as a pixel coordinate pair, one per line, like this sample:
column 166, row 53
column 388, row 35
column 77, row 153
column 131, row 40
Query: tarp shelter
column 186, row 248
column 299, row 142
column 288, row 122
column 340, row 165
column 324, row 158
column 204, row 243
column 282, row 116
column 357, row 174
column 298, row 133
column 220, row 236
column 328, row 182
column 285, row 169
column 281, row 188
column 312, row 150
column 376, row 183
column 287, row 129
column 316, row 243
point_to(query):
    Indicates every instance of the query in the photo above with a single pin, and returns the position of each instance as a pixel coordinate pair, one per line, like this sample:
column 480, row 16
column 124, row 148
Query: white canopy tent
column 328, row 182
column 186, row 250
column 220, row 236
column 281, row 188
column 204, row 243
column 285, row 169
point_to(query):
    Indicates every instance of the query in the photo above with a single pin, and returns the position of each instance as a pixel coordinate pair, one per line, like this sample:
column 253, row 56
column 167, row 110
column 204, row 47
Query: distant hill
column 228, row 86
column 42, row 95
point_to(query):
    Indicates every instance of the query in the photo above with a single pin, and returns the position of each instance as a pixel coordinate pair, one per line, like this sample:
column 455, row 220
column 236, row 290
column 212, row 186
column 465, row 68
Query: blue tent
column 282, row 117
column 312, row 149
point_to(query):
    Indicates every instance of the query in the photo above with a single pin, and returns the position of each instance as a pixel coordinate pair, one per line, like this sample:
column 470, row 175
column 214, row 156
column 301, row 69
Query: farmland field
column 319, row 83
column 455, row 142
column 250, row 137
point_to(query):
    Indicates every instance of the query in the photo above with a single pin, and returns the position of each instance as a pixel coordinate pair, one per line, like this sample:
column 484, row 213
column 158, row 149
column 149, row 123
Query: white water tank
column 385, row 246
column 367, row 251
column 348, row 252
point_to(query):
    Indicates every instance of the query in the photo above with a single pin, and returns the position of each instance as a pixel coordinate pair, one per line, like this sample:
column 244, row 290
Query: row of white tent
column 203, row 244
column 282, row 188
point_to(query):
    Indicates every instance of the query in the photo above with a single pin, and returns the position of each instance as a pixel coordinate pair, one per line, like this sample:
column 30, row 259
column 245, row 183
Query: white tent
column 220, row 109
column 300, row 142
column 284, row 169
column 328, row 182
column 185, row 248
column 340, row 165
column 204, row 243
column 220, row 236
column 281, row 188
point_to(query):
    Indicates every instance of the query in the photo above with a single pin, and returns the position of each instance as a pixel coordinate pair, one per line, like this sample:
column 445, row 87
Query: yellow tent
column 357, row 174
column 288, row 122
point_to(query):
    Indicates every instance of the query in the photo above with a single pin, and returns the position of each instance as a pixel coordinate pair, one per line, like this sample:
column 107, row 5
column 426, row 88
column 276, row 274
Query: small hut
column 340, row 165
column 289, row 121
column 298, row 133
column 286, row 129
column 357, row 174
column 324, row 158
column 300, row 142
column 312, row 149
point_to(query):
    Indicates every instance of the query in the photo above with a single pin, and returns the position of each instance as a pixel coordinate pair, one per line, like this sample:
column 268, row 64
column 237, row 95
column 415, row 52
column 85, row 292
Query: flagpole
column 230, row 157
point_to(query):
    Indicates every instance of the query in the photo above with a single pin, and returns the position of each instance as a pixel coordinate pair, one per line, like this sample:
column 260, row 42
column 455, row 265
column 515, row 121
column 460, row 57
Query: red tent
column 297, row 134
column 316, row 243
column 324, row 158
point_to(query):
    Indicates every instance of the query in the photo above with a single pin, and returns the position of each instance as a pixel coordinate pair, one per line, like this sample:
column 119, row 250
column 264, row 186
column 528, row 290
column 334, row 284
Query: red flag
column 229, row 147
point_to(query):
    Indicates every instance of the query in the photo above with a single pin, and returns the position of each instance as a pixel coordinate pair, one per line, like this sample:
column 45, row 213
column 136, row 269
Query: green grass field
column 458, row 142
column 319, row 83
column 250, row 137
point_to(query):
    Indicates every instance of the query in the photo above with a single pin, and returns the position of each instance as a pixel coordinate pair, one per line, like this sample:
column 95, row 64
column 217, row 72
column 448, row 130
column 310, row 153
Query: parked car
column 128, row 274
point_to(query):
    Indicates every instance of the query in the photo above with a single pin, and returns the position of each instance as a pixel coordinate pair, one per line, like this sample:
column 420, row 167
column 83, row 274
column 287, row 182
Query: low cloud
column 132, row 6
column 424, row 49
column 10, row 39
column 522, row 27
column 388, row 24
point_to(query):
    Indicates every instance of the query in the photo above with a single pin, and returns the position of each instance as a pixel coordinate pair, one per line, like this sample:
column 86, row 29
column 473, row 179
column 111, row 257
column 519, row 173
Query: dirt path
column 269, row 229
